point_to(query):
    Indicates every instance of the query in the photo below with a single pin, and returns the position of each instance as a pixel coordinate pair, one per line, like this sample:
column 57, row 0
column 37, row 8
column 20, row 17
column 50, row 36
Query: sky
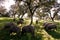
column 8, row 4
column 58, row 1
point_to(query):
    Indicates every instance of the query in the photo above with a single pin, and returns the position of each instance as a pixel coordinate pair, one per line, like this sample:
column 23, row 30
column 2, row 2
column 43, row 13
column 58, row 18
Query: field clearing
column 40, row 33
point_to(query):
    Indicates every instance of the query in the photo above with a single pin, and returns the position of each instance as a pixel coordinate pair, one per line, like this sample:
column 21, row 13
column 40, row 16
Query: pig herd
column 12, row 27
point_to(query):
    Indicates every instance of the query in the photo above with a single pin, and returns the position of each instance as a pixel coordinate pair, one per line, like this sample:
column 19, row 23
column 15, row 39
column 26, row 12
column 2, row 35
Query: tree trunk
column 22, row 15
column 14, row 18
column 31, row 19
column 31, row 11
column 18, row 15
column 52, row 18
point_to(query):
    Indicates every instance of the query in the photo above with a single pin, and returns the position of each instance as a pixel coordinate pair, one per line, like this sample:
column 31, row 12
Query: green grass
column 40, row 33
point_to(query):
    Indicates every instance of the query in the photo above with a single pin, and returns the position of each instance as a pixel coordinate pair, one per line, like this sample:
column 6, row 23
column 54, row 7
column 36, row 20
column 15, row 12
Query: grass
column 40, row 33
column 54, row 34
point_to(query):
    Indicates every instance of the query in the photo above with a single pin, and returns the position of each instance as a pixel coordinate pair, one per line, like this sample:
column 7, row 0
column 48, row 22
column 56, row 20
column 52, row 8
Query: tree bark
column 31, row 20
column 52, row 18
column 14, row 18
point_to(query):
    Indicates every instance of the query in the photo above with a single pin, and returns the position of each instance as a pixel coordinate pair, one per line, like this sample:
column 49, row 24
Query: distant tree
column 2, row 9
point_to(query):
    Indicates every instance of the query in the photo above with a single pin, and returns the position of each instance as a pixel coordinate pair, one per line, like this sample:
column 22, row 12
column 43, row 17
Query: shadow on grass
column 54, row 34
column 4, row 35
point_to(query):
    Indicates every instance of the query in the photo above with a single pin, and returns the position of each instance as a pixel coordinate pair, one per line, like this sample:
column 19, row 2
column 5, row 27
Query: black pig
column 20, row 21
column 28, row 29
column 12, row 27
column 49, row 26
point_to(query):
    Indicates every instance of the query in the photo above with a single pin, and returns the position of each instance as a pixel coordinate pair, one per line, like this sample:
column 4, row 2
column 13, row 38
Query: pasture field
column 40, row 33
